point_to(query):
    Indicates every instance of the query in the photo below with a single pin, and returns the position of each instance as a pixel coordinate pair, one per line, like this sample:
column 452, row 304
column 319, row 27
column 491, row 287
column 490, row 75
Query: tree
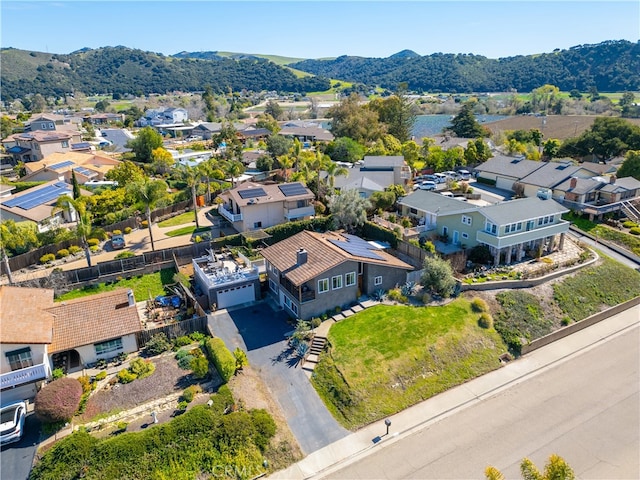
column 234, row 169
column 543, row 97
column 349, row 209
column 277, row 145
column 102, row 106
column 397, row 113
column 273, row 109
column 75, row 185
column 78, row 208
column 631, row 165
column 145, row 142
column 58, row 401
column 550, row 148
column 437, row 276
column 465, row 125
column 191, row 176
column 350, row 119
column 210, row 169
column 149, row 192
column 268, row 122
column 334, row 170
column 124, row 173
column 555, row 469
column 345, row 149
column 162, row 160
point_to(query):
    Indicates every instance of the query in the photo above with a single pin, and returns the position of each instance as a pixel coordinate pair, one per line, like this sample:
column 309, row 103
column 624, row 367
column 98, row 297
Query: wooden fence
column 174, row 330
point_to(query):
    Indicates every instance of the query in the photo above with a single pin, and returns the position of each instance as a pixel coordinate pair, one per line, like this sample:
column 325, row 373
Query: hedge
column 221, row 357
column 376, row 232
column 486, row 181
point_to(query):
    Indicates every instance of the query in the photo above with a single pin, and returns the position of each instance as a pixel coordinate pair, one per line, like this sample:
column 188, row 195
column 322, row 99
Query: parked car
column 452, row 175
column 117, row 242
column 12, row 422
column 464, row 174
column 447, row 194
column 426, row 185
column 441, row 177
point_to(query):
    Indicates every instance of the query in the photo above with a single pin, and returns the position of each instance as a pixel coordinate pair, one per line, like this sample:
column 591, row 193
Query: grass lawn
column 387, row 358
column 604, row 232
column 181, row 219
column 142, row 286
column 595, row 288
column 186, row 231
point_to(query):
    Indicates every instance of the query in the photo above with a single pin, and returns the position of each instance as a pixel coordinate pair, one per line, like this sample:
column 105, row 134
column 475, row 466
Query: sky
column 312, row 29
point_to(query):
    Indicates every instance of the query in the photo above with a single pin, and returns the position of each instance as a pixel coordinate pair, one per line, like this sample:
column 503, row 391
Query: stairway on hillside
column 317, row 346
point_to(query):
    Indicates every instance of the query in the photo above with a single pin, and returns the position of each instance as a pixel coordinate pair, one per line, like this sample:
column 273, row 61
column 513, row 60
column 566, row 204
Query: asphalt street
column 585, row 409
column 16, row 458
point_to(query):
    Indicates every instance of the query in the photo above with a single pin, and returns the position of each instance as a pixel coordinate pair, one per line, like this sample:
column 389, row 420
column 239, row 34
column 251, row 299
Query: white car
column 12, row 422
column 426, row 185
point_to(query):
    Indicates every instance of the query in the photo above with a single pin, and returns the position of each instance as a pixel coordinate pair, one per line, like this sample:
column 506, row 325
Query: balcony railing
column 294, row 213
column 522, row 237
column 237, row 217
column 23, row 376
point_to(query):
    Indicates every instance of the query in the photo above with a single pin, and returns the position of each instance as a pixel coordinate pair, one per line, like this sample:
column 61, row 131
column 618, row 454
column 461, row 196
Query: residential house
column 551, row 174
column 312, row 273
column 26, row 331
column 252, row 206
column 52, row 121
column 59, row 166
column 114, row 139
column 37, row 204
column 306, row 132
column 510, row 229
column 33, row 146
column 374, row 174
column 159, row 116
column 89, row 329
column 503, row 171
column 207, row 130
column 225, row 282
column 105, row 118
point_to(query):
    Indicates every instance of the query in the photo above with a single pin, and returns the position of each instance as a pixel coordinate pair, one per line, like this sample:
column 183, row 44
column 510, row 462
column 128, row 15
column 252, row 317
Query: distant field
column 556, row 126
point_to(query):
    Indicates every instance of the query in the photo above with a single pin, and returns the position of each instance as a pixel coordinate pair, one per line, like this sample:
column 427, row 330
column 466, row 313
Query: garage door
column 236, row 295
column 504, row 183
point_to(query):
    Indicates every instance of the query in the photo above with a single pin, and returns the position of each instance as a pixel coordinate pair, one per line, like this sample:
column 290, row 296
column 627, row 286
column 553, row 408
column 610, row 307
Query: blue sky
column 309, row 29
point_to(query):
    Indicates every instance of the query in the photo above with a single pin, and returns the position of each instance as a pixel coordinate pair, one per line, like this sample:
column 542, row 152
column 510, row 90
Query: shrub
column 47, row 258
column 190, row 392
column 479, row 305
column 101, row 375
column 184, row 362
column 222, row 358
column 158, row 344
column 197, row 336
column 265, row 428
column 117, row 232
column 57, row 373
column 121, row 426
column 59, row 400
column 395, row 294
column 125, row 254
column 127, row 230
column 94, row 248
column 142, row 368
column 125, row 376
column 144, row 224
column 241, row 358
column 635, row 231
column 565, row 321
column 85, row 381
column 73, row 249
column 485, row 320
column 63, row 252
column 182, row 341
column 629, row 224
column 199, row 366
column 426, row 298
column 93, row 242
column 315, row 322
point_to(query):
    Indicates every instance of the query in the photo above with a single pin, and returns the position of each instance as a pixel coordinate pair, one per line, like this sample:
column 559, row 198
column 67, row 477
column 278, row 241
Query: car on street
column 12, row 418
column 426, row 185
column 117, row 242
column 464, row 174
column 441, row 177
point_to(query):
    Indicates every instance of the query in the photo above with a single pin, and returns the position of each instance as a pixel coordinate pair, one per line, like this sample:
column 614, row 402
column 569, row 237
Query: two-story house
column 60, row 166
column 35, row 145
column 510, row 229
column 253, row 206
column 311, row 273
column 26, row 331
column 374, row 174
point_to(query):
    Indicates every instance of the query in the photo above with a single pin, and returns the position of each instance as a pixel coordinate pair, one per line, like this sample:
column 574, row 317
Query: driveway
column 259, row 330
column 16, row 458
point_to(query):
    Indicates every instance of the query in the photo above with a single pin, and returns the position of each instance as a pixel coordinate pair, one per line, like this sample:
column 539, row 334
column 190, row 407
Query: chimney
column 301, row 256
column 573, row 183
column 612, row 179
column 132, row 301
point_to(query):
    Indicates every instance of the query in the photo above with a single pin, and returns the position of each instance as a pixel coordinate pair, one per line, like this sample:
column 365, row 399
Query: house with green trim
column 511, row 229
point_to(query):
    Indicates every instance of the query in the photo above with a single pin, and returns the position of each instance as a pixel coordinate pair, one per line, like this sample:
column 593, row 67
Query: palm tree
column 333, row 170
column 210, row 169
column 286, row 162
column 148, row 191
column 83, row 220
column 191, row 175
column 234, row 169
column 317, row 163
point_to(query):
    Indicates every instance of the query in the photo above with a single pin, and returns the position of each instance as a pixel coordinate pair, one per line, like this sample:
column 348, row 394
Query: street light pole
column 387, row 422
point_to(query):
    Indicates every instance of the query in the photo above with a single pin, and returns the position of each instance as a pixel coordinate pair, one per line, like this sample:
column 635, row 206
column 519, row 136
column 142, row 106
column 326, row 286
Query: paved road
column 259, row 331
column 604, row 249
column 16, row 458
column 585, row 409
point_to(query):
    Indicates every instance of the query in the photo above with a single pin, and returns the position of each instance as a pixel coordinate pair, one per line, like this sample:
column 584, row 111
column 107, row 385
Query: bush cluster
column 221, row 357
column 485, row 320
column 159, row 343
column 478, row 305
column 62, row 253
column 59, row 400
column 127, row 230
column 93, row 242
column 190, row 392
column 125, row 254
column 73, row 249
column 635, row 231
column 47, row 258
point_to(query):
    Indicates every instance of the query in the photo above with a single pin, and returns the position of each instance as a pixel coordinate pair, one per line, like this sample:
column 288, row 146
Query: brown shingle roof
column 87, row 320
column 23, row 315
column 322, row 255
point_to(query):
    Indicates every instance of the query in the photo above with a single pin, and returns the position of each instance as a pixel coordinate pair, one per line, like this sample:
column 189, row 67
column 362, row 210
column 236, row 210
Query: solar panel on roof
column 252, row 193
column 60, row 165
column 39, row 197
column 85, row 171
column 292, row 189
column 357, row 247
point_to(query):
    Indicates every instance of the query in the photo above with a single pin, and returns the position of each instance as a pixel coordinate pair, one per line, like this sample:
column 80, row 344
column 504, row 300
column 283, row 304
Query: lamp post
column 387, row 422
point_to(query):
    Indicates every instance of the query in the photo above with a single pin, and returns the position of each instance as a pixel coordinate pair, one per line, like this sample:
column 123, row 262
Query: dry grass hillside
column 556, row 126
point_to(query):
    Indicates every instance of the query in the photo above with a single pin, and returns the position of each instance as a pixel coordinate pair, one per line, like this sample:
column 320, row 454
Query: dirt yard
column 560, row 127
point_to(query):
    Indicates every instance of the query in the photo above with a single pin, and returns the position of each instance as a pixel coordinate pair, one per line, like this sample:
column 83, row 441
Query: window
column 336, row 282
column 466, row 220
column 413, row 211
column 65, row 144
column 51, row 126
column 377, row 280
column 20, row 358
column 257, row 224
column 109, row 346
column 350, row 279
column 273, row 286
column 464, row 235
column 290, row 305
column 490, row 228
column 323, row 285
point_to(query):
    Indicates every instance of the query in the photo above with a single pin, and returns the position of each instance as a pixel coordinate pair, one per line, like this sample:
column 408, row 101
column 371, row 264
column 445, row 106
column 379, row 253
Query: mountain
column 405, row 54
column 611, row 66
column 124, row 70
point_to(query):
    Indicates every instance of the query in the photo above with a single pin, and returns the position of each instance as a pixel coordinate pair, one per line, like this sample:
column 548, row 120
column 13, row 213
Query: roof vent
column 301, row 256
column 131, row 298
